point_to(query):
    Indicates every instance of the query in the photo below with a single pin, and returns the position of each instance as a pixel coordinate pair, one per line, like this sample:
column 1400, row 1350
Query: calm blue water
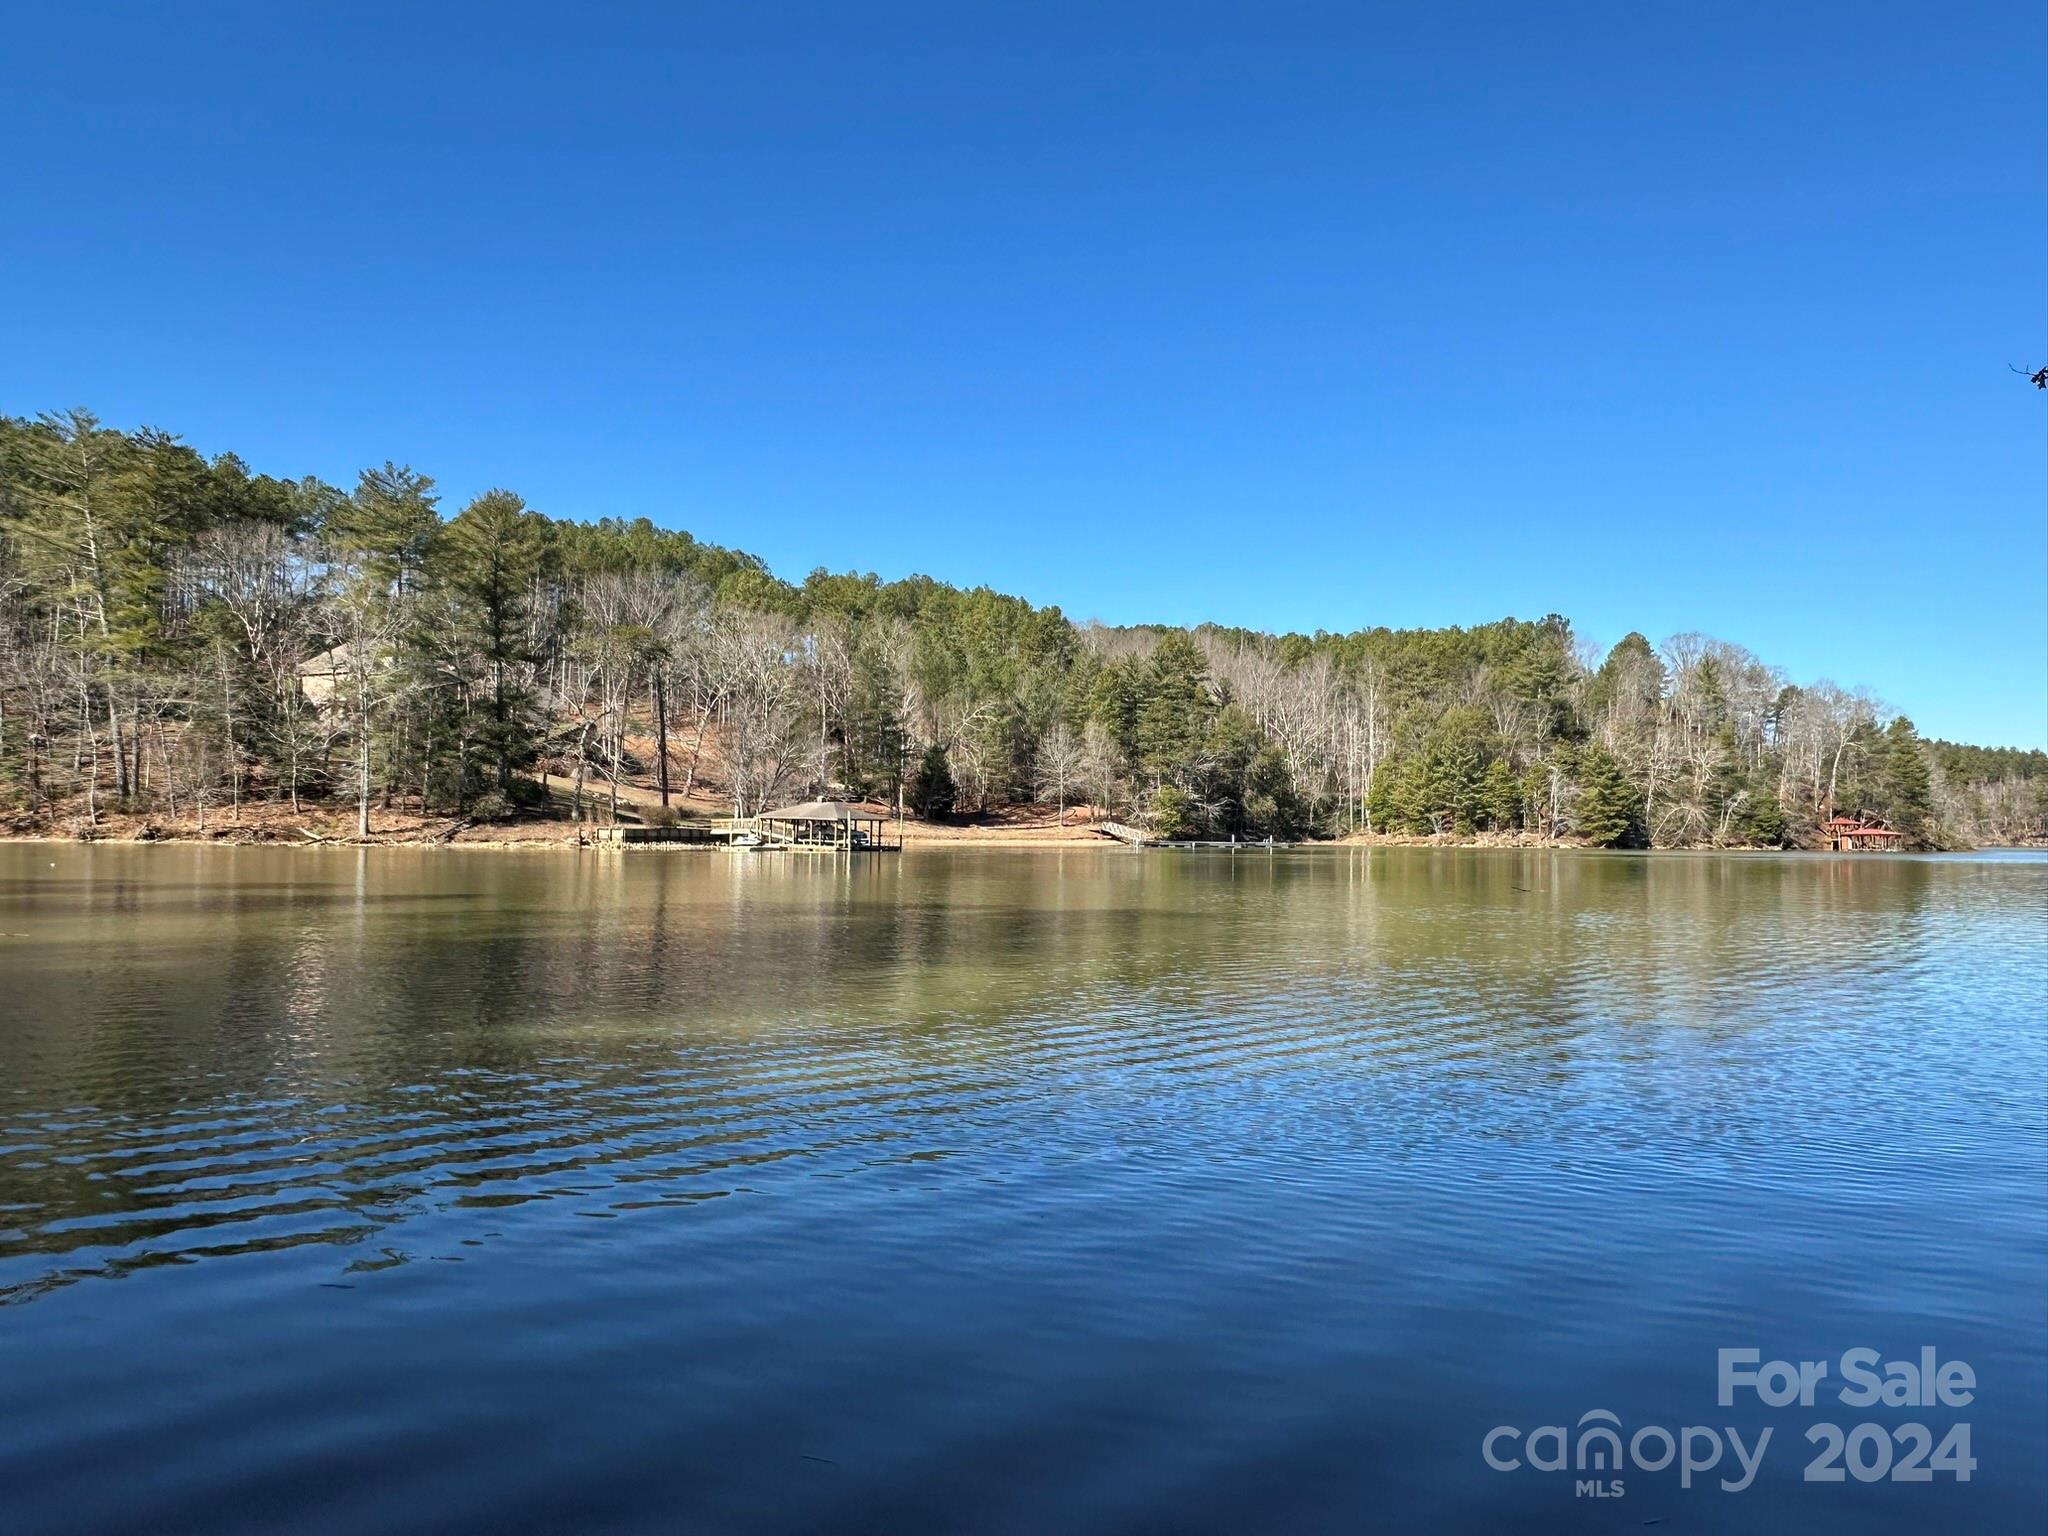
column 440, row 1191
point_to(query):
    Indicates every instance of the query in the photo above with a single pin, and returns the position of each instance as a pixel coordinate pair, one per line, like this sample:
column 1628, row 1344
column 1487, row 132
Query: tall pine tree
column 1608, row 810
column 1904, row 785
column 492, row 556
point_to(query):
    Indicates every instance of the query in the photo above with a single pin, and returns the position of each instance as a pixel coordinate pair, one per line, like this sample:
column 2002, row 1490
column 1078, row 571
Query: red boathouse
column 1848, row 835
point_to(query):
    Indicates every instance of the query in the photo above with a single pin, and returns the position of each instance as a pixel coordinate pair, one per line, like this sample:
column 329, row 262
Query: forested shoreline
column 188, row 639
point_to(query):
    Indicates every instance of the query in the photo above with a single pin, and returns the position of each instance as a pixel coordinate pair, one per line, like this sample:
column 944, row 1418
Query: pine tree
column 1763, row 818
column 1112, row 704
column 389, row 524
column 931, row 787
column 1905, row 791
column 873, row 747
column 1500, row 792
column 1608, row 810
column 1453, row 770
column 1172, row 815
column 1231, row 754
column 1174, row 718
column 1395, row 799
column 1382, row 803
column 1271, row 803
column 491, row 554
column 380, row 538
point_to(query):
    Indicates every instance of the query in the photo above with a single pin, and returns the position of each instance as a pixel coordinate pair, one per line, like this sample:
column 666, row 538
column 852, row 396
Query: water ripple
column 955, row 1169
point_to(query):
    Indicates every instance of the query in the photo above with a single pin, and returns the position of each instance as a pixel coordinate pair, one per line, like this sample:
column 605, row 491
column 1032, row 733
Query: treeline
column 185, row 636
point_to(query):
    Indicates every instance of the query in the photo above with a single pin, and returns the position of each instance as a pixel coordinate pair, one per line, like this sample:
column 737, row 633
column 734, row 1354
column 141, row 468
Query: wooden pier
column 1137, row 837
column 1224, row 844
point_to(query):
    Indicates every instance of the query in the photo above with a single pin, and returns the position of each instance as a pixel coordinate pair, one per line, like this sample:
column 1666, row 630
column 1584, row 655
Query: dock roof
column 825, row 810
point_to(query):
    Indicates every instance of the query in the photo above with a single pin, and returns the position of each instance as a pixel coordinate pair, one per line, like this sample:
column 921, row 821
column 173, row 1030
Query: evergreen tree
column 1272, row 805
column 1500, row 793
column 389, row 524
column 1382, row 802
column 1395, row 800
column 1763, row 819
column 1904, row 786
column 873, row 744
column 931, row 787
column 492, row 556
column 380, row 538
column 1113, row 704
column 1172, row 814
column 1453, row 770
column 1230, row 754
column 1541, row 674
column 1608, row 811
column 1174, row 717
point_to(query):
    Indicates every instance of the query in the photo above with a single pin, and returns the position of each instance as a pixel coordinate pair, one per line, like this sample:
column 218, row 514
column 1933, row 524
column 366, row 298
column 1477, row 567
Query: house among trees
column 1845, row 834
column 325, row 676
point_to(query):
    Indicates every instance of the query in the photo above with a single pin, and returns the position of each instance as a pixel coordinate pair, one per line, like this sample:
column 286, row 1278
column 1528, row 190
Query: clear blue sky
column 1663, row 317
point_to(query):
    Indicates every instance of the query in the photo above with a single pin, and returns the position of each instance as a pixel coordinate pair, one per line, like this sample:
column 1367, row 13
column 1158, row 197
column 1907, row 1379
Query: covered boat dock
column 832, row 825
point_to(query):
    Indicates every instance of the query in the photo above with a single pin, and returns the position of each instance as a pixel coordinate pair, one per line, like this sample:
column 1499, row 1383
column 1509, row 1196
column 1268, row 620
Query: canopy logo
column 1595, row 1444
column 1597, row 1451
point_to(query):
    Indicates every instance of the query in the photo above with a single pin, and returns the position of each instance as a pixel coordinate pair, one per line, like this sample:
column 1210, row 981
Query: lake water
column 1002, row 1191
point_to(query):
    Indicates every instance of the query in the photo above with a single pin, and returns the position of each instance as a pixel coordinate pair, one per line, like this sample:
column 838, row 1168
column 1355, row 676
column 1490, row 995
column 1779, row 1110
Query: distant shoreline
column 917, row 836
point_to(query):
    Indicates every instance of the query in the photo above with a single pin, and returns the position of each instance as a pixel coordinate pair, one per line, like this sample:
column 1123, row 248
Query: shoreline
column 553, row 838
